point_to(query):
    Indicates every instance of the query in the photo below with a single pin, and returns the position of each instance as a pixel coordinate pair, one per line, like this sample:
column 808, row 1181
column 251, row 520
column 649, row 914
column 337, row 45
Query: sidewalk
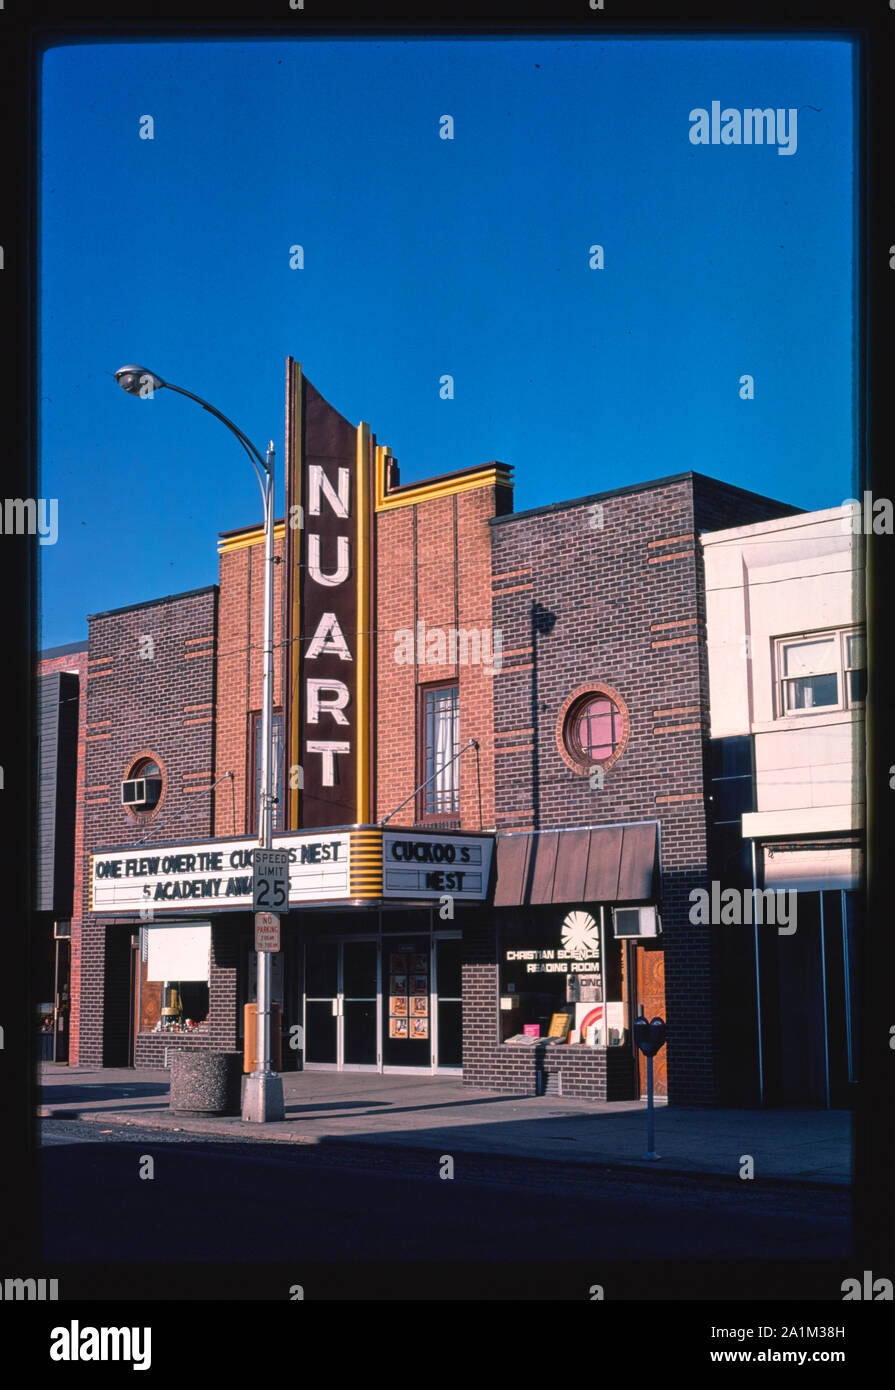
column 441, row 1115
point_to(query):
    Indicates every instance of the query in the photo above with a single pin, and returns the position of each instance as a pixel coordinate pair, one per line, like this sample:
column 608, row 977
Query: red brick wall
column 77, row 663
column 241, row 619
column 434, row 566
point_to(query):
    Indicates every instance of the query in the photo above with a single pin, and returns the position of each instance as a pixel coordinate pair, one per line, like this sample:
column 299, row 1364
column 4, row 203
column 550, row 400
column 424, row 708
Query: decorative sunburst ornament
column 580, row 934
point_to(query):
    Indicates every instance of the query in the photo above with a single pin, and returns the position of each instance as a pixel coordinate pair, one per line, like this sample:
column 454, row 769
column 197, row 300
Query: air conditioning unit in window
column 141, row 791
column 636, row 922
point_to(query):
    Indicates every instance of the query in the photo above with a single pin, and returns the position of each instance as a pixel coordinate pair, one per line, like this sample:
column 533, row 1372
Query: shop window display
column 561, row 980
column 173, row 1006
column 174, row 973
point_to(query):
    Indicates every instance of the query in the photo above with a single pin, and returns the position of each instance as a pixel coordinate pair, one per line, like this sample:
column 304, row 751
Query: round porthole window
column 593, row 728
column 143, row 786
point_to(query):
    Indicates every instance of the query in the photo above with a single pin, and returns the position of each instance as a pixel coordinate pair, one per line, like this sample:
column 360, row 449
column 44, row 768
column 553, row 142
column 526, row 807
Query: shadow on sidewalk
column 59, row 1095
column 379, row 1107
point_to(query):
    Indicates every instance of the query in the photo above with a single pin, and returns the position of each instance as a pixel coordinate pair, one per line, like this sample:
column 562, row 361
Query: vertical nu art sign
column 328, row 599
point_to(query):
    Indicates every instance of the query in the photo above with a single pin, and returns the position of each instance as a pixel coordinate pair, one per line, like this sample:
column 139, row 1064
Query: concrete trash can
column 205, row 1083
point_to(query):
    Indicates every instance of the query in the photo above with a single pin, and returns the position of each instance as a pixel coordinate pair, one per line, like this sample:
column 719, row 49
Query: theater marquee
column 362, row 865
column 429, row 866
column 215, row 873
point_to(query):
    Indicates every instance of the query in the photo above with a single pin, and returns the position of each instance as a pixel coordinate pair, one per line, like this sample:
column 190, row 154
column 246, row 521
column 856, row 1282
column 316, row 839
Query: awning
column 608, row 863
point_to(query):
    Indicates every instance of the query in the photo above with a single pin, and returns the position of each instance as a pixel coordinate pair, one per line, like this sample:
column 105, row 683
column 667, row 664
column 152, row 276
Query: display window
column 174, row 970
column 562, row 980
column 173, row 1006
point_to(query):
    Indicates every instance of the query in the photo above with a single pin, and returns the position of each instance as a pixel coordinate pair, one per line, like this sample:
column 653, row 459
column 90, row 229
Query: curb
column 358, row 1147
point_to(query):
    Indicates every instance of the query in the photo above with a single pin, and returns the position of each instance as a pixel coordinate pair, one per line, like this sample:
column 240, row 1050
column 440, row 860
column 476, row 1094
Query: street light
column 263, row 1098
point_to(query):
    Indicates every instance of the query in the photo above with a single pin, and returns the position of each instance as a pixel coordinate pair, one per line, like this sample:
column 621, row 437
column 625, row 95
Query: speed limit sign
column 271, row 880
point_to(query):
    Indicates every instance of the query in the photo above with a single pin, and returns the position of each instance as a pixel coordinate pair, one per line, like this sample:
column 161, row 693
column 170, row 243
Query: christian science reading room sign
column 216, row 873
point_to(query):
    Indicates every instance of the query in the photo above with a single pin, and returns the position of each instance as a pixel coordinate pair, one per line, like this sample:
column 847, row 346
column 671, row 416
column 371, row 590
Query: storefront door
column 358, row 1011
column 389, row 1004
column 650, row 994
column 341, row 1004
column 421, row 1003
column 407, row 997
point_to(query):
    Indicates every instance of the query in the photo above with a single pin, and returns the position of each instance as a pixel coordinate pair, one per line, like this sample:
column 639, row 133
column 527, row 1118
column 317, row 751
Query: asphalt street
column 215, row 1200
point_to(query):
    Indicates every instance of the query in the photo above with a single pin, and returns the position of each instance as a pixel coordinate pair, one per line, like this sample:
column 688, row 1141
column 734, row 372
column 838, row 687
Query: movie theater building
column 385, row 796
column 492, row 736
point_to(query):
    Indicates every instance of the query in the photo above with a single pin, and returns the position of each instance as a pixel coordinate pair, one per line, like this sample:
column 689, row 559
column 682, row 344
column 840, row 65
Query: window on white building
column 820, row 671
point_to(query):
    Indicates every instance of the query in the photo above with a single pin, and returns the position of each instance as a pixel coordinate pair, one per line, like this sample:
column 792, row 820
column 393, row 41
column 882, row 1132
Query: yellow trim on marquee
column 365, row 864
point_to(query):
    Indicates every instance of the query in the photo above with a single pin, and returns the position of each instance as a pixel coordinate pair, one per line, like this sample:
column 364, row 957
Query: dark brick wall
column 161, row 704
column 617, row 598
column 76, row 663
column 150, row 1050
column 222, row 1011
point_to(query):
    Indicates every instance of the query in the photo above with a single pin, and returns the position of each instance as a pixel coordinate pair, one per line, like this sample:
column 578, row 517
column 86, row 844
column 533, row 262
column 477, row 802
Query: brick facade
column 609, row 590
column 433, row 563
column 163, row 703
column 241, row 620
column 75, row 662
column 603, row 592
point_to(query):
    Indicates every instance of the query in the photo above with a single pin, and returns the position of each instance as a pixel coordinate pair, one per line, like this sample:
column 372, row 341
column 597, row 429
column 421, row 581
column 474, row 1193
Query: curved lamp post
column 263, row 1098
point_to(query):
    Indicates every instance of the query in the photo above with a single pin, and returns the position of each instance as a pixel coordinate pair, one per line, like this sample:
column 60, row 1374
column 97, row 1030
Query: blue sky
column 425, row 257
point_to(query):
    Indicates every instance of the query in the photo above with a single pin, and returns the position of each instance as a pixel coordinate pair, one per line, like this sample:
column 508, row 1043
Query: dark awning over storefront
column 611, row 863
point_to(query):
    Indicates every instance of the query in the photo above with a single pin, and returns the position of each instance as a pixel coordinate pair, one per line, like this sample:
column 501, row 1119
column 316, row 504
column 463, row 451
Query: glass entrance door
column 321, row 1003
column 359, row 1005
column 448, row 1005
column 406, row 1003
column 341, row 1004
column 390, row 1003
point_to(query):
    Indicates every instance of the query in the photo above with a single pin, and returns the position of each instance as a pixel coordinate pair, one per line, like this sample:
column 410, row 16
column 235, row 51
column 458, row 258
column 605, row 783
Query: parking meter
column 649, row 1037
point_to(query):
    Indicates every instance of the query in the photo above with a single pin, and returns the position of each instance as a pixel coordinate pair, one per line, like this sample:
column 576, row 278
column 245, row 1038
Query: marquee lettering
column 425, row 852
column 342, row 570
column 319, row 483
column 328, row 639
column 333, row 703
column 326, row 695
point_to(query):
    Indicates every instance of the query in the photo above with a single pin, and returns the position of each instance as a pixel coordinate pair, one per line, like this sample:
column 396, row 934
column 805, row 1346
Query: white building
column 785, row 636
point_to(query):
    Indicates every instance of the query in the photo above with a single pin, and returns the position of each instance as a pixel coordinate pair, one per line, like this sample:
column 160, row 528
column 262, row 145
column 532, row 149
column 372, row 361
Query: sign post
column 649, row 1037
column 263, row 1095
column 270, row 887
column 267, row 932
